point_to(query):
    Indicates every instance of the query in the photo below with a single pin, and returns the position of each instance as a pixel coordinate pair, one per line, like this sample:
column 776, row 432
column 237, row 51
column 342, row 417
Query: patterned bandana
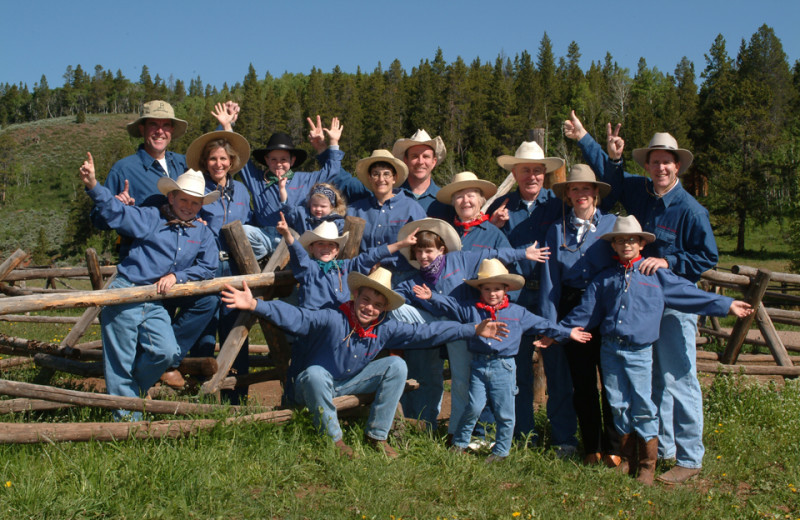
column 271, row 178
column 492, row 309
column 324, row 190
column 330, row 264
column 172, row 219
column 480, row 219
column 434, row 270
column 348, row 310
column 627, row 265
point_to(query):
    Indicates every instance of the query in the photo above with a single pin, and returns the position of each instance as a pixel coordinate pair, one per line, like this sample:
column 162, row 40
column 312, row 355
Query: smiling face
column 467, row 203
column 319, row 206
column 157, row 135
column 426, row 255
column 627, row 247
column 183, row 205
column 218, row 164
column 323, row 250
column 530, row 179
column 581, row 195
column 381, row 181
column 663, row 168
column 368, row 305
column 279, row 162
column 421, row 160
column 492, row 293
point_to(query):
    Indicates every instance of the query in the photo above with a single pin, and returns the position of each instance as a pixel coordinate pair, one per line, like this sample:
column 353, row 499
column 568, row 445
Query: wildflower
column 8, row 483
column 515, row 514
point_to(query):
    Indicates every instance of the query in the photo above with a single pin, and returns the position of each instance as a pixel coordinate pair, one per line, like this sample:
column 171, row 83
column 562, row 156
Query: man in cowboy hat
column 342, row 347
column 524, row 216
column 134, row 181
column 684, row 243
column 168, row 248
column 421, row 153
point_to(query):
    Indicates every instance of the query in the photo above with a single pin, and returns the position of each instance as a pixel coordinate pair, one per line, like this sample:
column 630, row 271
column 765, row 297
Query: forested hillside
column 738, row 112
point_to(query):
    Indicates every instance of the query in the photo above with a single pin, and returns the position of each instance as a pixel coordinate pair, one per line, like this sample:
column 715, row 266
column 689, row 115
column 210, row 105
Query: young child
column 492, row 369
column 627, row 305
column 168, row 248
column 325, row 203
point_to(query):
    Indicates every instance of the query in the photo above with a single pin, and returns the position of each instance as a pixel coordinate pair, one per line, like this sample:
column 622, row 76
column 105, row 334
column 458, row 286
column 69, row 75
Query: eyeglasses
column 381, row 175
column 628, row 240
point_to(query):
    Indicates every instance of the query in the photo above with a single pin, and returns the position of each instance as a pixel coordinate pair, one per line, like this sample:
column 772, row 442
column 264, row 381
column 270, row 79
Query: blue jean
column 493, row 378
column 130, row 370
column 386, row 377
column 676, row 390
column 427, row 367
column 262, row 240
column 190, row 316
column 627, row 377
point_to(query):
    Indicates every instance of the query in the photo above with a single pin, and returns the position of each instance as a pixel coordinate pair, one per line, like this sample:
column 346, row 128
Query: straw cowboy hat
column 420, row 137
column 492, row 270
column 363, row 166
column 191, row 183
column 664, row 141
column 194, row 154
column 327, row 232
column 445, row 231
column 580, row 173
column 379, row 280
column 158, row 109
column 628, row 226
column 530, row 152
column 462, row 181
column 281, row 141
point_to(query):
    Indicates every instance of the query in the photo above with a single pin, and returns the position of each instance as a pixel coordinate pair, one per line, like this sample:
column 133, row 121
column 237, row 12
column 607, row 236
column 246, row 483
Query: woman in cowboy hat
column 342, row 349
column 577, row 256
column 467, row 194
column 388, row 208
column 440, row 264
column 219, row 155
column 492, row 378
column 168, row 248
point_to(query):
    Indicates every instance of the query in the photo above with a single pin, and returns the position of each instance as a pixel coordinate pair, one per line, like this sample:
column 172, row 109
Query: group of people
column 440, row 276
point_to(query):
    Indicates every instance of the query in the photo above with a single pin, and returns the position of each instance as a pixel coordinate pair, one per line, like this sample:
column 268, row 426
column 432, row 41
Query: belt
column 224, row 256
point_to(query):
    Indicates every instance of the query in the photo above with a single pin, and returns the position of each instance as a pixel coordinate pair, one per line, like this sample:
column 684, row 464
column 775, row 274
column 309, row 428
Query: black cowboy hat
column 281, row 141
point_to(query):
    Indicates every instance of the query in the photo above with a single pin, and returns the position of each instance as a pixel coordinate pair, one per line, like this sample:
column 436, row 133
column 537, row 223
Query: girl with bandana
column 325, row 203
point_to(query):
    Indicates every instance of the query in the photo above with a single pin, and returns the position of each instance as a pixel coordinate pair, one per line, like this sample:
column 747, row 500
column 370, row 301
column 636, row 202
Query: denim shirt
column 628, row 304
column 333, row 345
column 299, row 219
column 681, row 225
column 158, row 249
column 230, row 207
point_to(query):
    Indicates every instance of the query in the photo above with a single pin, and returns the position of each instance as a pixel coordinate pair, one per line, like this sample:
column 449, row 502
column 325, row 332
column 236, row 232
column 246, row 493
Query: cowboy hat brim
column 239, row 144
column 356, row 280
column 445, row 231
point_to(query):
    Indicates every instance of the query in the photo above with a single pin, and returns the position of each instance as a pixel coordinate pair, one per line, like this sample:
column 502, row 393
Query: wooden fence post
column 758, row 286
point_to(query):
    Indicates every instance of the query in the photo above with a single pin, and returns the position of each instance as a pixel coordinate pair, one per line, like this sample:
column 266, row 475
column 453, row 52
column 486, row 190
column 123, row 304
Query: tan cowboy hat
column 462, row 181
column 158, row 109
column 327, row 231
column 379, row 280
column 580, row 173
column 530, row 152
column 628, row 226
column 362, row 167
column 239, row 144
column 420, row 137
column 191, row 183
column 492, row 270
column 664, row 141
column 445, row 231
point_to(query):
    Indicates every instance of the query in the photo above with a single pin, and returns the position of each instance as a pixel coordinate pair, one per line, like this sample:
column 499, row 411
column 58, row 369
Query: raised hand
column 496, row 330
column 236, row 299
column 334, row 133
column 615, row 144
column 124, row 196
column 86, row 172
column 537, row 254
column 573, row 128
column 316, row 135
column 500, row 215
column 225, row 117
column 285, row 232
column 423, row 292
column 232, row 107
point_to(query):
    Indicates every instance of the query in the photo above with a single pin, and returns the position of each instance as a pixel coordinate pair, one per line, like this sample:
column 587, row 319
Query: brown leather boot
column 381, row 446
column 345, row 450
column 627, row 450
column 173, row 379
column 648, row 454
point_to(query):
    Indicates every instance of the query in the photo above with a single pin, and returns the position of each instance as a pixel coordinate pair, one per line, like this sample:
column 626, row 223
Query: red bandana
column 493, row 310
column 629, row 264
column 480, row 219
column 347, row 310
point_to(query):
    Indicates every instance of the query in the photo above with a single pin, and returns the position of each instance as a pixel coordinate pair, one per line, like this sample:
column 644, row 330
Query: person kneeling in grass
column 168, row 248
column 342, row 348
column 493, row 370
column 625, row 303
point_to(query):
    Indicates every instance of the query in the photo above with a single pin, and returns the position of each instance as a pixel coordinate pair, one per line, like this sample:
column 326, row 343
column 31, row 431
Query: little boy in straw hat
column 626, row 303
column 493, row 370
column 168, row 248
column 342, row 347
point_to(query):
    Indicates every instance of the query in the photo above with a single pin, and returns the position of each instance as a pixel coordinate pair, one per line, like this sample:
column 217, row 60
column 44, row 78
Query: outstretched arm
column 740, row 309
column 496, row 330
column 87, row 175
column 236, row 299
column 409, row 241
column 226, row 113
column 283, row 229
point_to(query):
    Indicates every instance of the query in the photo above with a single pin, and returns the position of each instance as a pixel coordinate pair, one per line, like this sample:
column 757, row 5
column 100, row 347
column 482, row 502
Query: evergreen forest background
column 739, row 115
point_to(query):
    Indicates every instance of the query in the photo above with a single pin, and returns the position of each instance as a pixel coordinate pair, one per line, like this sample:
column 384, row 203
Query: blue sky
column 218, row 40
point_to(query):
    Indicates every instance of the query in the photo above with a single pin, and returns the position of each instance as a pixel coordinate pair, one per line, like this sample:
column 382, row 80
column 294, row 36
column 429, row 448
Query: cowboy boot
column 648, row 453
column 627, row 450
